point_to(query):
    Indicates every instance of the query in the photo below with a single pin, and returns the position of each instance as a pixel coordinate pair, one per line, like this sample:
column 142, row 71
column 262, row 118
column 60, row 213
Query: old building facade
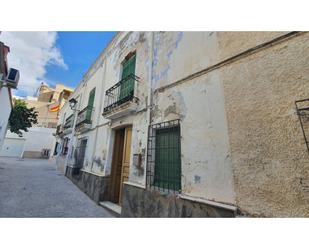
column 192, row 124
column 48, row 103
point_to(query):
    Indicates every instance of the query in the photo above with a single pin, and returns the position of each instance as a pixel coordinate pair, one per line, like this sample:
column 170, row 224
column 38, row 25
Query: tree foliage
column 21, row 117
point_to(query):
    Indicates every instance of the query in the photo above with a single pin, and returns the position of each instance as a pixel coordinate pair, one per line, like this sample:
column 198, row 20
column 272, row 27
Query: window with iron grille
column 65, row 146
column 164, row 157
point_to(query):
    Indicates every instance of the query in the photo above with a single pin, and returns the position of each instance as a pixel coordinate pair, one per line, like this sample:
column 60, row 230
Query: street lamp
column 73, row 103
column 73, row 107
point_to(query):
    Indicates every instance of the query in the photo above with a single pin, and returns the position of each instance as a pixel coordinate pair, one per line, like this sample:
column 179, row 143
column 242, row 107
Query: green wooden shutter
column 90, row 104
column 167, row 159
column 127, row 88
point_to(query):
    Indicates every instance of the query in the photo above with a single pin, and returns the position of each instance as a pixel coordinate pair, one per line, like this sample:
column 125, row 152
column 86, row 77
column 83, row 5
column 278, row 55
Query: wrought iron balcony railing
column 84, row 116
column 120, row 93
column 69, row 122
column 59, row 129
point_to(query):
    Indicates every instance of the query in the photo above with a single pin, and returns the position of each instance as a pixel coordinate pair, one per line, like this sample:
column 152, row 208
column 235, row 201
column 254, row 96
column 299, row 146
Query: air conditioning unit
column 12, row 78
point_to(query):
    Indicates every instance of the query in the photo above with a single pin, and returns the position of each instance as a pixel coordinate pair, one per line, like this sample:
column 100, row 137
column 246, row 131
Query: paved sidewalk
column 33, row 188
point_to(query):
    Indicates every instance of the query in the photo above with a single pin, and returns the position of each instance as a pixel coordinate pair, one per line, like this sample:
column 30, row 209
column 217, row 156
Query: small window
column 164, row 160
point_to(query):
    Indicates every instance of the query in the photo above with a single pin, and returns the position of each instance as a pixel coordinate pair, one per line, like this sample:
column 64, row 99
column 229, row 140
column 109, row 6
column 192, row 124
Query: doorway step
column 114, row 208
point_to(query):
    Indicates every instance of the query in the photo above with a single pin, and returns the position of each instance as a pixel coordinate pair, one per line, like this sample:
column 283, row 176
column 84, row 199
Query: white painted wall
column 38, row 138
column 5, row 110
column 12, row 147
column 35, row 140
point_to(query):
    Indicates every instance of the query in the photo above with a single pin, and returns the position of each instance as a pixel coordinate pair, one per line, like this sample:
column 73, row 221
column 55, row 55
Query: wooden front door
column 120, row 163
column 125, row 158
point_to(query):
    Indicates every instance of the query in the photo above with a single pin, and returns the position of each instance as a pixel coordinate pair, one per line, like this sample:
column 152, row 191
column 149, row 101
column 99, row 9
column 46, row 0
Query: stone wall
column 138, row 202
column 93, row 185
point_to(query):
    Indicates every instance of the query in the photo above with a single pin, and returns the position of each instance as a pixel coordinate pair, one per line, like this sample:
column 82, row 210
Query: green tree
column 21, row 117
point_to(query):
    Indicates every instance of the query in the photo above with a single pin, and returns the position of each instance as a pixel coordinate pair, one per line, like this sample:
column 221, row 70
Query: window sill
column 135, row 185
column 208, row 202
column 89, row 172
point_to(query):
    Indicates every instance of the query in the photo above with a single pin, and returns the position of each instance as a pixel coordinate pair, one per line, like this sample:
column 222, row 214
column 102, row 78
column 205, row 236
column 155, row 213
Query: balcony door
column 127, row 87
column 90, row 104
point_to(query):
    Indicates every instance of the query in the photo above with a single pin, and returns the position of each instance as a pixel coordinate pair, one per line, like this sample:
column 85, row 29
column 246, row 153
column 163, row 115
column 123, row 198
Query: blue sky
column 52, row 57
column 79, row 50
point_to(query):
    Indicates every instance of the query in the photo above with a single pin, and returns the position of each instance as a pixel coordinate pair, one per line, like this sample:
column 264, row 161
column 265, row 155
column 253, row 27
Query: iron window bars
column 121, row 92
column 302, row 110
column 164, row 157
column 65, row 148
column 79, row 156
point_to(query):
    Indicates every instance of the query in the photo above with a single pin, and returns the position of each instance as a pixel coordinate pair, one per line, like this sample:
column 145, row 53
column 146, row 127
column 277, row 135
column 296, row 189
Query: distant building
column 39, row 141
column 5, row 93
column 48, row 103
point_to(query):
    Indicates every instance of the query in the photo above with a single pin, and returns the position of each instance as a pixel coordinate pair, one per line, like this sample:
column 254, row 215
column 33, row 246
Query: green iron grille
column 164, row 156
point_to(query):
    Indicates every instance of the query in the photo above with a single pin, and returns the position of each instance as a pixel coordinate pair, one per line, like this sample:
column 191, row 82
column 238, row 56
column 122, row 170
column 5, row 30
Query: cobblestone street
column 33, row 188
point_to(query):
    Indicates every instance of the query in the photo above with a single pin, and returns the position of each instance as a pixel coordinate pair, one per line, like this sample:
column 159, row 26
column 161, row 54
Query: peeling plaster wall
column 205, row 157
column 199, row 104
column 268, row 152
column 103, row 74
column 139, row 141
column 241, row 140
column 178, row 54
column 126, row 43
column 93, row 159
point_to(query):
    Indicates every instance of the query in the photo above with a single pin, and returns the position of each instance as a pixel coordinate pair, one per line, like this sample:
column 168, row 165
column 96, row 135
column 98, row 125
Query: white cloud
column 30, row 53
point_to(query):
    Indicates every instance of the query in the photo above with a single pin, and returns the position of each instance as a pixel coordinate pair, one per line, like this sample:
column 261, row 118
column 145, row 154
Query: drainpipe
column 149, row 99
column 100, row 110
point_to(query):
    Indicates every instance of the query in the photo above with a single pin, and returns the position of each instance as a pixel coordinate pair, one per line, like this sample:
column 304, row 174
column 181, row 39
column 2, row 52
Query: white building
column 38, row 142
column 5, row 94
column 189, row 124
column 118, row 101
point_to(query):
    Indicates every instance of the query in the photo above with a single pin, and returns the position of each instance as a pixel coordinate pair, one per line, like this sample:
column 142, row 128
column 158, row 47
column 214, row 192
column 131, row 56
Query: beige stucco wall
column 44, row 115
column 268, row 153
column 237, row 42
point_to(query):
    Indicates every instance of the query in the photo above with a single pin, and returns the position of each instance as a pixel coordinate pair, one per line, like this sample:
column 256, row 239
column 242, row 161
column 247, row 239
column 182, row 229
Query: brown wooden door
column 126, row 158
column 115, row 181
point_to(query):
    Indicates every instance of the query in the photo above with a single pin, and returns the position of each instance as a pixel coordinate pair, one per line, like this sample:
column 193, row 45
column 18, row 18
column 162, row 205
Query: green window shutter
column 167, row 159
column 90, row 104
column 127, row 88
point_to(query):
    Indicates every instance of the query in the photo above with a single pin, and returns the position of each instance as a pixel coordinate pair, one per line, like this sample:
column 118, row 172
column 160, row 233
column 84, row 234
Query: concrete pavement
column 33, row 188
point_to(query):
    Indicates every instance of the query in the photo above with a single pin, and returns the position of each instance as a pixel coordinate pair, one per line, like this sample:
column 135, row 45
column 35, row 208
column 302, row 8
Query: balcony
column 84, row 119
column 59, row 130
column 67, row 128
column 120, row 99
